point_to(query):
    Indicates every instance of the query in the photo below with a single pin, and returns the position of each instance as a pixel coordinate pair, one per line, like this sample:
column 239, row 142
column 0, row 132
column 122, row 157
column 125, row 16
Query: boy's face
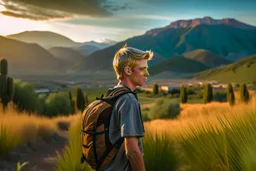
column 140, row 73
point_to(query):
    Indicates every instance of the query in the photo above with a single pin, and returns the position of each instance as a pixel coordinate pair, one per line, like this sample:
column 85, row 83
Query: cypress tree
column 208, row 94
column 230, row 95
column 183, row 94
column 155, row 89
column 80, row 101
column 244, row 94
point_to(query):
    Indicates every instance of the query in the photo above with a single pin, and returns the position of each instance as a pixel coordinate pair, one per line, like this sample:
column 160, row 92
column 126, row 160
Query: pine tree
column 80, row 101
column 155, row 89
column 208, row 94
column 183, row 94
column 244, row 94
column 230, row 95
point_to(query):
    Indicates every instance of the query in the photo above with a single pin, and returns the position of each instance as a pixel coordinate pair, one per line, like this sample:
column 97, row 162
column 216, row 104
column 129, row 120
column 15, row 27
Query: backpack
column 97, row 150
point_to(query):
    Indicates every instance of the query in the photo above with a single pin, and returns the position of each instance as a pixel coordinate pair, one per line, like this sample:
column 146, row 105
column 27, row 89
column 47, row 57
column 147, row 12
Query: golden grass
column 31, row 127
column 205, row 115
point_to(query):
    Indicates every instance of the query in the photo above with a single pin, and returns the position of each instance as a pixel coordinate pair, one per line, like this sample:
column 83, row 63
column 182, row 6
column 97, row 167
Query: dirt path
column 41, row 156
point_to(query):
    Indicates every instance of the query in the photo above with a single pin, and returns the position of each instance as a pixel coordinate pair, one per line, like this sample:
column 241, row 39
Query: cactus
column 6, row 84
column 244, row 94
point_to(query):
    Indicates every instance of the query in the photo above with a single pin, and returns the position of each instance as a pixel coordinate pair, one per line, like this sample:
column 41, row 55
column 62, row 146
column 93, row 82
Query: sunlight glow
column 11, row 25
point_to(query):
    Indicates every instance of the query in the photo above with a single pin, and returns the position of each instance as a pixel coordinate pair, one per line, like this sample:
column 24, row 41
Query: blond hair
column 128, row 56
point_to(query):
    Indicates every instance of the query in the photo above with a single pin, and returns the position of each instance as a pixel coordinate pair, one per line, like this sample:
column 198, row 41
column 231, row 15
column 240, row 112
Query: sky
column 98, row 20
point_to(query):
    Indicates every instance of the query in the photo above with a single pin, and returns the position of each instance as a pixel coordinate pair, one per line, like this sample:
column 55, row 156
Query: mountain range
column 182, row 46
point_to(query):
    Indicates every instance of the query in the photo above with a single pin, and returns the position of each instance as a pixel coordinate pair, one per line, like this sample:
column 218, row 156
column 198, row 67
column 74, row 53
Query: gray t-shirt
column 125, row 121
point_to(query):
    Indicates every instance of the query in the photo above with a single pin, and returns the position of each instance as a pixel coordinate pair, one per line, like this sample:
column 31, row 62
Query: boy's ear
column 127, row 70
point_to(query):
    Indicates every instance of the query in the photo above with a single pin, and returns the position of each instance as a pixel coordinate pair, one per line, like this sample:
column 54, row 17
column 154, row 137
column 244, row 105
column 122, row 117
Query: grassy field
column 226, row 133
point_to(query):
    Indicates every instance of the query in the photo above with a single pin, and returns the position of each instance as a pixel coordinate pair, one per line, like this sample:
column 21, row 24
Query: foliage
column 25, row 96
column 220, row 96
column 230, row 95
column 244, row 94
column 57, row 103
column 183, row 94
column 208, row 94
column 164, row 109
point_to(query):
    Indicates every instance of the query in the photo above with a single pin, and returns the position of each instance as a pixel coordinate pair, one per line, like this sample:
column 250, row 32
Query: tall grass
column 8, row 141
column 22, row 128
column 159, row 153
column 70, row 159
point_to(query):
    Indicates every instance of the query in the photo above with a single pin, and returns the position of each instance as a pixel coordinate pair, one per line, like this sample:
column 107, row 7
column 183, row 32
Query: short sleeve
column 130, row 117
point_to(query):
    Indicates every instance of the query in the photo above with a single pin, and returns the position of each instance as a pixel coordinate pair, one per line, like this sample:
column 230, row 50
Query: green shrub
column 57, row 104
column 159, row 153
column 164, row 109
column 220, row 96
column 25, row 96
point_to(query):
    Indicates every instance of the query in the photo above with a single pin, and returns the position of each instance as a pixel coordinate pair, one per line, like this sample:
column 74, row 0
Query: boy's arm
column 133, row 153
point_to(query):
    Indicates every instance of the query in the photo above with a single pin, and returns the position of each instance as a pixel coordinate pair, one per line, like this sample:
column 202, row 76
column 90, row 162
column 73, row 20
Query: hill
column 45, row 39
column 207, row 58
column 27, row 57
column 67, row 56
column 178, row 64
column 240, row 71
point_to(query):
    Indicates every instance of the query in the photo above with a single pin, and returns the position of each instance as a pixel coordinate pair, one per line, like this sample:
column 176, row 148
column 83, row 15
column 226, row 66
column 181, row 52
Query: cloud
column 56, row 9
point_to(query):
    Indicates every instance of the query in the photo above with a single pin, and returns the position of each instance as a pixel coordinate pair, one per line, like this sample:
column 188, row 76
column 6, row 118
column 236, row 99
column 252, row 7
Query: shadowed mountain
column 207, row 58
column 241, row 71
column 86, row 49
column 27, row 57
column 178, row 64
column 67, row 56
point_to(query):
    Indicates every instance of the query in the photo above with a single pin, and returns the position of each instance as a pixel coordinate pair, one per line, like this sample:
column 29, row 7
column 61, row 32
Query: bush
column 164, row 109
column 220, row 96
column 183, row 94
column 57, row 103
column 230, row 95
column 25, row 96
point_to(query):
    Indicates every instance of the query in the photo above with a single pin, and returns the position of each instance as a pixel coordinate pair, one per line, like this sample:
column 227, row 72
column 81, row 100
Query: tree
column 230, row 95
column 6, row 84
column 183, row 94
column 244, row 94
column 80, row 100
column 155, row 89
column 208, row 95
